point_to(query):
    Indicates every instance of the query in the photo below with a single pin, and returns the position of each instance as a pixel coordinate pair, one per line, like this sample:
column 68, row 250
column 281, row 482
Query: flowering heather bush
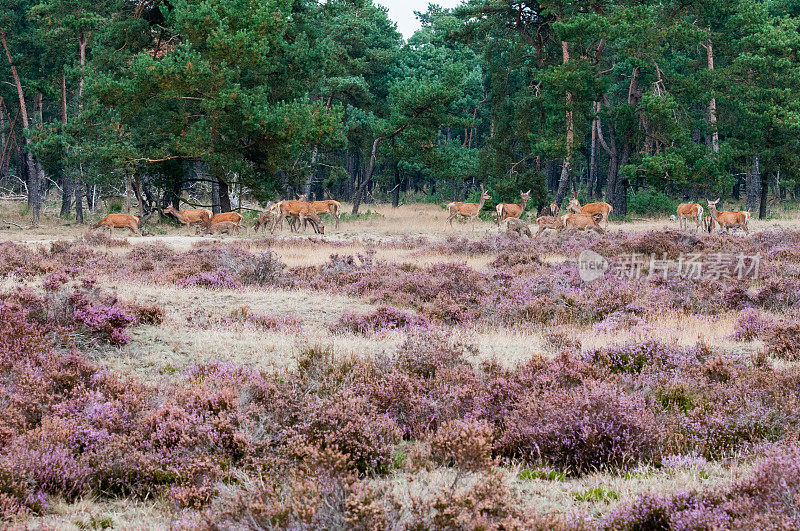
column 18, row 261
column 106, row 322
column 750, row 325
column 765, row 499
column 634, row 357
column 580, row 430
column 101, row 239
column 380, row 320
column 463, row 443
column 218, row 279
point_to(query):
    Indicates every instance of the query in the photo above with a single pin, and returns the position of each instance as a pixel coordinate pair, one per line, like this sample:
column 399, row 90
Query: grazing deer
column 687, row 211
column 727, row 220
column 549, row 222
column 119, row 221
column 512, row 210
column 592, row 208
column 264, row 219
column 220, row 227
column 467, row 210
column 190, row 215
column 572, row 222
column 328, row 206
column 308, row 216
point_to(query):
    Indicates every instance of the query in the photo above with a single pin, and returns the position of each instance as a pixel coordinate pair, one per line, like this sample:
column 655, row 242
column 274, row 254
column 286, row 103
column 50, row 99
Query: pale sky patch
column 402, row 12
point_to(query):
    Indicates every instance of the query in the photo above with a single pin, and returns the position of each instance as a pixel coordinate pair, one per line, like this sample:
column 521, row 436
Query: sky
column 402, row 12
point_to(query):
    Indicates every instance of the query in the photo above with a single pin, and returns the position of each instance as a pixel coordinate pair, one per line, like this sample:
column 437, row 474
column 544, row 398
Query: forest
column 221, row 100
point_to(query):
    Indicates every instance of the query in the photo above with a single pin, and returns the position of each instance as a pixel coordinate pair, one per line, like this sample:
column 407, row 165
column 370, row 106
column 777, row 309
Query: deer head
column 574, row 206
column 169, row 210
column 526, row 196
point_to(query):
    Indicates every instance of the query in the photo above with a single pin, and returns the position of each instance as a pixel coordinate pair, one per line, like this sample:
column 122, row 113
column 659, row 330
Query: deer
column 592, row 208
column 549, row 222
column 467, row 210
column 551, row 210
column 309, row 216
column 220, row 227
column 328, row 206
column 727, row 220
column 233, row 217
column 517, row 228
column 265, row 219
column 512, row 210
column 687, row 211
column 190, row 215
column 119, row 221
column 573, row 222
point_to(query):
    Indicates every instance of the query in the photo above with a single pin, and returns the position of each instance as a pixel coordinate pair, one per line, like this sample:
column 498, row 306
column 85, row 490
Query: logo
column 591, row 266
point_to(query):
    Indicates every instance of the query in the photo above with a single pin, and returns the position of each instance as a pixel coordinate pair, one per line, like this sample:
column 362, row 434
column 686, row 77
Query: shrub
column 381, row 320
column 580, row 430
column 463, row 443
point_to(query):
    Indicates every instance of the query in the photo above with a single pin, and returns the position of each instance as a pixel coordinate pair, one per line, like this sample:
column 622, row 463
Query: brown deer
column 551, row 210
column 119, row 221
column 512, row 210
column 573, row 222
column 549, row 222
column 467, row 210
column 265, row 219
column 308, row 216
column 328, row 206
column 233, row 217
column 727, row 220
column 190, row 215
column 517, row 228
column 592, row 208
column 220, row 227
column 687, row 211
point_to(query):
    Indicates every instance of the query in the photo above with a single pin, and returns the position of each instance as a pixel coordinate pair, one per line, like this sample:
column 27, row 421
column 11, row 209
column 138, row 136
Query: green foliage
column 543, row 474
column 596, row 494
column 651, row 203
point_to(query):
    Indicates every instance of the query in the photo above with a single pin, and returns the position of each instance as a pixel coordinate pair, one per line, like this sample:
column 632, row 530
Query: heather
column 392, row 414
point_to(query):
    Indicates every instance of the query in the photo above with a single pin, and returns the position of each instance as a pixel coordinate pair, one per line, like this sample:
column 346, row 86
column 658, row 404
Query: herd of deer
column 586, row 217
column 299, row 210
column 302, row 211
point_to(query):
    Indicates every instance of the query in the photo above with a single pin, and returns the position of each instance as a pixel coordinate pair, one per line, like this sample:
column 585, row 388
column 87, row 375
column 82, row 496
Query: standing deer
column 265, row 219
column 687, row 211
column 467, row 210
column 512, row 210
column 119, row 221
column 727, row 220
column 592, row 208
column 190, row 215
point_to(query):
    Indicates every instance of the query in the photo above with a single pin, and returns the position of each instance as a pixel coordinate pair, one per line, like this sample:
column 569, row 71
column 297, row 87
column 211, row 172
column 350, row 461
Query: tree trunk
column 396, row 190
column 712, row 105
column 4, row 152
column 563, row 182
column 34, row 199
column 224, row 196
column 311, row 174
column 593, row 150
column 215, row 208
column 752, row 185
column 357, row 197
column 762, row 207
column 78, row 202
column 66, row 177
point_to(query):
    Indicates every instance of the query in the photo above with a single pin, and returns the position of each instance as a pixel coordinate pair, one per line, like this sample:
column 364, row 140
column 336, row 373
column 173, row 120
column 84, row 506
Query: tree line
column 220, row 100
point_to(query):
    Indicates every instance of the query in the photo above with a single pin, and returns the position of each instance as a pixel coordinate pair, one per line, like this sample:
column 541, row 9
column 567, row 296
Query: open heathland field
column 396, row 373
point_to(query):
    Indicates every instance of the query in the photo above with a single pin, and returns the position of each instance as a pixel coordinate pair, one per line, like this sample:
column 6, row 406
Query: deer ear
column 717, row 201
column 528, row 192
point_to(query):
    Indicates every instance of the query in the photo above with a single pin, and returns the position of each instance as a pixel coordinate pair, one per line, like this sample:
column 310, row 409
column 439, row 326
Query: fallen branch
column 20, row 227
